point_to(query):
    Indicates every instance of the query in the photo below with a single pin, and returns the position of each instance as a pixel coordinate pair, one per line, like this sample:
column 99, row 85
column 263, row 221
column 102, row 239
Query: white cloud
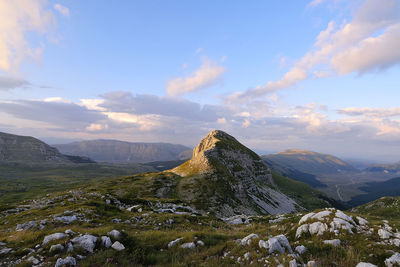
column 62, row 9
column 11, row 82
column 207, row 75
column 17, row 18
column 368, row 42
column 371, row 53
column 371, row 112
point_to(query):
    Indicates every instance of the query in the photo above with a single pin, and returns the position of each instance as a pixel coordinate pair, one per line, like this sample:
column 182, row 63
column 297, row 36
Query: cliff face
column 229, row 179
column 27, row 149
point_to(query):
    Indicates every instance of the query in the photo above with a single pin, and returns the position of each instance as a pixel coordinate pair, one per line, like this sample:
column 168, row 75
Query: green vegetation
column 19, row 181
column 304, row 194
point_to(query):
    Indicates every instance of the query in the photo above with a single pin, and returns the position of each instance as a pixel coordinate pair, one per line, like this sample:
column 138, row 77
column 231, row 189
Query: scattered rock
column 384, row 234
column 68, row 261
column 263, row 244
column 65, row 219
column 57, row 247
column 247, row 240
column 172, row 243
column 69, row 232
column 200, row 243
column 246, row 256
column 300, row 249
column 87, row 242
column 394, row 260
column 118, row 246
column 333, row 242
column 55, row 236
column 114, row 233
column 5, row 250
column 293, row 263
column 190, row 245
column 366, row 264
column 361, row 221
column 279, row 244
column 26, row 226
column 317, row 228
column 311, row 264
column 106, row 241
column 33, row 260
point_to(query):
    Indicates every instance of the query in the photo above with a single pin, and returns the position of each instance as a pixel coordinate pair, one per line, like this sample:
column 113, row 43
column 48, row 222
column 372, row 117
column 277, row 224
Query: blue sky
column 320, row 75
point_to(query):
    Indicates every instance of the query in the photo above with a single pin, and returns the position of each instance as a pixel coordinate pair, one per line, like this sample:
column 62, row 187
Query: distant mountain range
column 385, row 168
column 310, row 162
column 114, row 151
column 16, row 148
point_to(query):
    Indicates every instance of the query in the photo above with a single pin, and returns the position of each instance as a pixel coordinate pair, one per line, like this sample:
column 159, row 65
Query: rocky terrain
column 223, row 207
column 114, row 151
column 89, row 227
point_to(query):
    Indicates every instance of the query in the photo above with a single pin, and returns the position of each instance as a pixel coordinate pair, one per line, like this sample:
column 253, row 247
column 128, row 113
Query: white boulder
column 384, row 234
column 114, row 233
column 366, row 264
column 68, row 261
column 190, row 245
column 247, row 240
column 118, row 246
column 55, row 236
column 279, row 244
column 87, row 242
column 293, row 263
column 300, row 249
column 106, row 241
column 394, row 260
column 172, row 243
column 333, row 242
column 317, row 228
column 301, row 229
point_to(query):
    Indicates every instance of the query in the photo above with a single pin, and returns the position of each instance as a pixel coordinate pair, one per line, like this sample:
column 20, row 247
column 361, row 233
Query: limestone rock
column 68, row 261
column 118, row 246
column 87, row 242
column 55, row 236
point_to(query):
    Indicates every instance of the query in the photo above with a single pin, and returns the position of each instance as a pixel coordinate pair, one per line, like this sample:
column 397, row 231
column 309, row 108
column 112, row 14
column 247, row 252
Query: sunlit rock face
column 230, row 179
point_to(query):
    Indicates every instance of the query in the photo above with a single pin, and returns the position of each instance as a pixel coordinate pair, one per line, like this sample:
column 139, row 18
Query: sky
column 320, row 75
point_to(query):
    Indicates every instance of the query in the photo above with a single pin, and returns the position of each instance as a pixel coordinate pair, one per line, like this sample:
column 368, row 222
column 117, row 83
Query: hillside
column 385, row 168
column 94, row 226
column 375, row 190
column 114, row 151
column 16, row 148
column 387, row 207
column 183, row 217
column 309, row 162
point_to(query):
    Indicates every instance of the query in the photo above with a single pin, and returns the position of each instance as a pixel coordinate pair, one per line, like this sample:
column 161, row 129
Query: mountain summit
column 228, row 178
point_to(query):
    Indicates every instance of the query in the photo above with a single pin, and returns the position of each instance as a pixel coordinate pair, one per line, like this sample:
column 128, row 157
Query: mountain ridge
column 115, row 151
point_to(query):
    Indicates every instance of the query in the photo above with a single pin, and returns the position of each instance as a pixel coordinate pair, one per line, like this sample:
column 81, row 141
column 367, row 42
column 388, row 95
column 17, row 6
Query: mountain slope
column 122, row 152
column 386, row 207
column 228, row 178
column 309, row 162
column 376, row 190
column 224, row 178
column 16, row 148
column 385, row 168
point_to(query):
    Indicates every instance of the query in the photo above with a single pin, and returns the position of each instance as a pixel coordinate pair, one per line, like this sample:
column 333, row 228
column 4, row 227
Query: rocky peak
column 221, row 152
column 227, row 178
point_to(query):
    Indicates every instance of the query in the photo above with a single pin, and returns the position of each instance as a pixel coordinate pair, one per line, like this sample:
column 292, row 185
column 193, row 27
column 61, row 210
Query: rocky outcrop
column 229, row 179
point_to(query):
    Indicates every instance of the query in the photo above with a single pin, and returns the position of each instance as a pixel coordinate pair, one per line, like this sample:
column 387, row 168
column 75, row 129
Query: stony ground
column 86, row 227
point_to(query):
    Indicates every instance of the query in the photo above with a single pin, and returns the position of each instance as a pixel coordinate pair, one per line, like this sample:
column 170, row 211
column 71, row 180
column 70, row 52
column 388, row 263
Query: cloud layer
column 367, row 43
column 17, row 18
column 207, row 75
